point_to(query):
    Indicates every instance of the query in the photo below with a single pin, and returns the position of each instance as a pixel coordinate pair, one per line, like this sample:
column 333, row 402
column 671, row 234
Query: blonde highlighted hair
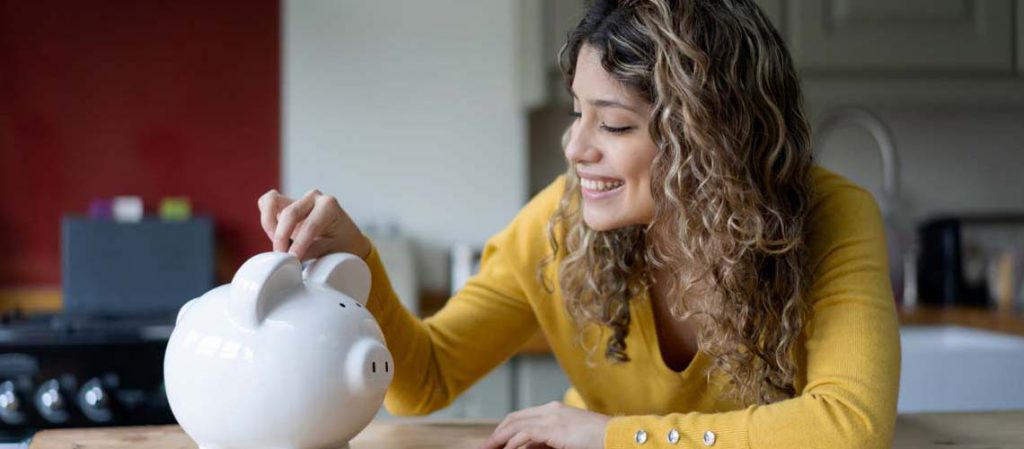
column 731, row 185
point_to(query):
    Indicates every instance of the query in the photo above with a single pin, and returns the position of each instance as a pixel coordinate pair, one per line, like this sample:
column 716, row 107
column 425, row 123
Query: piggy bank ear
column 344, row 272
column 262, row 280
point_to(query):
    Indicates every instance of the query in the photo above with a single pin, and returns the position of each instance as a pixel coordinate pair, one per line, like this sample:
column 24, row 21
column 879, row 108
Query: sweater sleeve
column 480, row 327
column 439, row 357
column 852, row 353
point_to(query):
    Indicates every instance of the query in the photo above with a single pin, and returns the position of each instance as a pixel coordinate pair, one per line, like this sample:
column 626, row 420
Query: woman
column 699, row 280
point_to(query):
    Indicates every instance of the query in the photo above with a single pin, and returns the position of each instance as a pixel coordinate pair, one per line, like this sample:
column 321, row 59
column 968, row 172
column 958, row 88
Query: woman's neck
column 660, row 290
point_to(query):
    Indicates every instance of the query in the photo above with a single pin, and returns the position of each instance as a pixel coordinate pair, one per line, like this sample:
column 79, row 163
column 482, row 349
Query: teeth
column 599, row 185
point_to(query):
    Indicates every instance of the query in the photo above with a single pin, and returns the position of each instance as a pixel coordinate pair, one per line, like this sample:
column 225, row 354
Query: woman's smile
column 597, row 187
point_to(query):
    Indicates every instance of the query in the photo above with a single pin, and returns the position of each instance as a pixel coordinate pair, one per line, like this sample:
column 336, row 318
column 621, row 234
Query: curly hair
column 730, row 182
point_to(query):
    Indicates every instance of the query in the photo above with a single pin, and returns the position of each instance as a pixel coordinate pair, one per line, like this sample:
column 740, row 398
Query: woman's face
column 610, row 147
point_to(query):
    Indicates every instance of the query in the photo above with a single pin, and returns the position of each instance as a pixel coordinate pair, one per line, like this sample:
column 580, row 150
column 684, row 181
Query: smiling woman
column 610, row 146
column 698, row 279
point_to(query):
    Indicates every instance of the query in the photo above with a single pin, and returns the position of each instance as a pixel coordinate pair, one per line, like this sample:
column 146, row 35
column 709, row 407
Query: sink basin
column 954, row 368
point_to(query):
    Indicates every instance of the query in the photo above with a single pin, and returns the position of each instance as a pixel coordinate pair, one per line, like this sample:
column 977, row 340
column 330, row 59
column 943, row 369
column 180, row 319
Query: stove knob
column 50, row 402
column 10, row 405
column 94, row 401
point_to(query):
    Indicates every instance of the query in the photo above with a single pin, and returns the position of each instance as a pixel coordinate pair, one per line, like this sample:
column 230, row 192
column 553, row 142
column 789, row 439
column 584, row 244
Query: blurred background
column 136, row 136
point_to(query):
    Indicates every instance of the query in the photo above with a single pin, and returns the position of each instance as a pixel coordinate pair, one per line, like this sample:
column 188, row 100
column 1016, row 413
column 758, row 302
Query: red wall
column 145, row 97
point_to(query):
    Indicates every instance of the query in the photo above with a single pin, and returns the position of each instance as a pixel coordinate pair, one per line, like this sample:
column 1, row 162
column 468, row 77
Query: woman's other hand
column 310, row 226
column 554, row 425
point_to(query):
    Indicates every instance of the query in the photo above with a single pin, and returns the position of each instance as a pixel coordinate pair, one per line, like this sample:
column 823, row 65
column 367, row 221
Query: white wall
column 407, row 111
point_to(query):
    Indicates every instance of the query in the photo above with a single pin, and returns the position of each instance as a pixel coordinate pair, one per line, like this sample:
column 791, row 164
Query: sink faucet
column 899, row 242
column 854, row 115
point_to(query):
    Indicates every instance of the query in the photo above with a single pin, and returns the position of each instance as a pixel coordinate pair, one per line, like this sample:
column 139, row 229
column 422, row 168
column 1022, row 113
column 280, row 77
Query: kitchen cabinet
column 543, row 27
column 775, row 10
column 1020, row 37
column 539, row 379
column 523, row 381
column 910, row 36
column 489, row 398
column 871, row 52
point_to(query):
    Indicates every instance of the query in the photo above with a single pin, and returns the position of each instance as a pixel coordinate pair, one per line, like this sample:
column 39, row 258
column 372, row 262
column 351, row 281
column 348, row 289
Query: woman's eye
column 575, row 114
column 616, row 130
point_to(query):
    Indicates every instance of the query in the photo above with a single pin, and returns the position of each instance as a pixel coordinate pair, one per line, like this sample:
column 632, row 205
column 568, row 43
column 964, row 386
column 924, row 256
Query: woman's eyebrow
column 605, row 103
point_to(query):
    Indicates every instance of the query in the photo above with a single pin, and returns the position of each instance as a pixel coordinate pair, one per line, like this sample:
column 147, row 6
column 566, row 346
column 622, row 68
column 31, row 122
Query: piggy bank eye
column 341, row 304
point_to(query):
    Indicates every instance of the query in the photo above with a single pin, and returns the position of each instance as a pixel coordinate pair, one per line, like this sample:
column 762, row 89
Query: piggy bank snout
column 369, row 367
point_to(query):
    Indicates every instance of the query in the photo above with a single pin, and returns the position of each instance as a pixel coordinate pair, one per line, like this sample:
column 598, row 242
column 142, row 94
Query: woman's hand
column 553, row 425
column 311, row 226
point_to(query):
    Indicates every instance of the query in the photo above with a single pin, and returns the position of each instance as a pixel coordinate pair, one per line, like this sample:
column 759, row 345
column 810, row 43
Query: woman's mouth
column 593, row 189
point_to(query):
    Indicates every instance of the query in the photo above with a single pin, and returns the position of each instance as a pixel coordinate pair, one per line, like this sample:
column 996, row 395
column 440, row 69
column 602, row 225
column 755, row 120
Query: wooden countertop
column 978, row 318
column 991, row 430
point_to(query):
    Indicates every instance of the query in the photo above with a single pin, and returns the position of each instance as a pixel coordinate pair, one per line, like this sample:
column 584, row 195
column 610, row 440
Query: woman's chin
column 601, row 222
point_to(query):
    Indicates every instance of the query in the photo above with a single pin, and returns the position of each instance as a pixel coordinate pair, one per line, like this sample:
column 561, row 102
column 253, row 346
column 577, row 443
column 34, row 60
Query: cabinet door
column 539, row 380
column 773, row 9
column 1020, row 37
column 490, row 398
column 906, row 35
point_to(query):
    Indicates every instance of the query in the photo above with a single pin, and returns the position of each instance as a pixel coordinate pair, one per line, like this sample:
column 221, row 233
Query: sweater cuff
column 691, row 430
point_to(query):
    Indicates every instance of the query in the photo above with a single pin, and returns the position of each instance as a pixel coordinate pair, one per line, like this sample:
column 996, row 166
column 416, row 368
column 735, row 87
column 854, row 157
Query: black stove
column 81, row 371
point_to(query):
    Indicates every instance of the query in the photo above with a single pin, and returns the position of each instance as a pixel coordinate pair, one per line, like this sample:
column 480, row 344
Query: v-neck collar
column 644, row 317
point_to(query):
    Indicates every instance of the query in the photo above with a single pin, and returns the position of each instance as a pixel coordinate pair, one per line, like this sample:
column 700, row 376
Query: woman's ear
column 346, row 273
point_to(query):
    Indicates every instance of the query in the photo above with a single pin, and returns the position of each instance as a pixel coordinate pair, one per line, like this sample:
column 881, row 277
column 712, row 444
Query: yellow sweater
column 849, row 358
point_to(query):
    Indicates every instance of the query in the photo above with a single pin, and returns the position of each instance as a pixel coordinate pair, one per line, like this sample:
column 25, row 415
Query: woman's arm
column 852, row 347
column 439, row 357
column 479, row 328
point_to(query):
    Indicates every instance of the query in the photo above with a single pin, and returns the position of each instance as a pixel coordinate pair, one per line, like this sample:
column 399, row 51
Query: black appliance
column 100, row 361
column 56, row 372
column 958, row 263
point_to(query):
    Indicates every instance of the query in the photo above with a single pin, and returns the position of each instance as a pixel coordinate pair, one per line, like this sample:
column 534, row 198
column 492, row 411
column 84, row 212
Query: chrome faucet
column 899, row 240
column 855, row 115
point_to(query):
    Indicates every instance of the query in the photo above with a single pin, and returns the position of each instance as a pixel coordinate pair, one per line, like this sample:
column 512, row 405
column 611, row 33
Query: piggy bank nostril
column 342, row 304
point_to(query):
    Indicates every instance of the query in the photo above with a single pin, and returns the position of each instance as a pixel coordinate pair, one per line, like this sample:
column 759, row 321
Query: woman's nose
column 579, row 147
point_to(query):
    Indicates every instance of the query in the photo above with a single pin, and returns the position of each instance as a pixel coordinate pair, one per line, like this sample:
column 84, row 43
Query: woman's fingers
column 323, row 213
column 290, row 217
column 311, row 226
column 319, row 247
column 519, row 440
column 514, row 425
column 270, row 205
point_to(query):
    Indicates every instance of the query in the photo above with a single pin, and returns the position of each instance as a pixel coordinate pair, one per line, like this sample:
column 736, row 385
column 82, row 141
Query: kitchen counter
column 977, row 318
column 995, row 430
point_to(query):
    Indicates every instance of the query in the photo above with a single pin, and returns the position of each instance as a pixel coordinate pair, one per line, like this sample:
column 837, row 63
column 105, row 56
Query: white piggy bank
column 280, row 358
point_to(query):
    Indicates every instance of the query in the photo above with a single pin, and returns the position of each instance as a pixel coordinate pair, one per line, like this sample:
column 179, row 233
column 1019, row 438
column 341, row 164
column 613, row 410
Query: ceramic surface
column 281, row 358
